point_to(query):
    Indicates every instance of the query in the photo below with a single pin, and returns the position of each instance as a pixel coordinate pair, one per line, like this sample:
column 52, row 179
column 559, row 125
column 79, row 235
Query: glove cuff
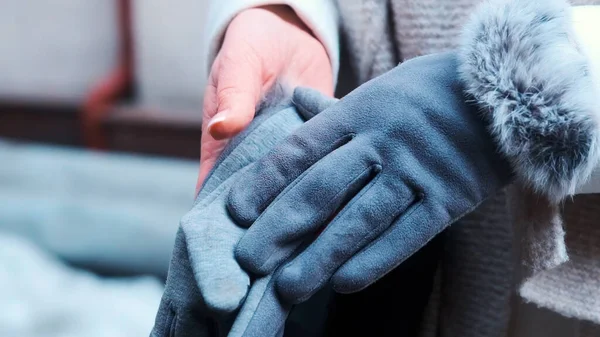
column 521, row 62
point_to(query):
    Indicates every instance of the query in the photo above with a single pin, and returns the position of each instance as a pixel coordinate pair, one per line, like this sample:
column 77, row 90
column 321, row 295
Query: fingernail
column 217, row 119
column 216, row 126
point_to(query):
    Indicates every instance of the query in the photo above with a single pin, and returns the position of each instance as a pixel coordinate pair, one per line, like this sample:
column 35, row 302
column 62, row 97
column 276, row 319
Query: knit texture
column 380, row 34
column 538, row 226
column 476, row 273
column 474, row 283
column 572, row 288
column 428, row 26
column 366, row 25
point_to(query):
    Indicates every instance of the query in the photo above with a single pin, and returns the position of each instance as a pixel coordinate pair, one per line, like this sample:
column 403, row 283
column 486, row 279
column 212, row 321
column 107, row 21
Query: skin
column 260, row 45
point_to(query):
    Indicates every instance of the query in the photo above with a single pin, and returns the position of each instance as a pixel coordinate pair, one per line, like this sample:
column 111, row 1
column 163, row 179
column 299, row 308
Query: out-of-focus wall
column 168, row 52
column 55, row 49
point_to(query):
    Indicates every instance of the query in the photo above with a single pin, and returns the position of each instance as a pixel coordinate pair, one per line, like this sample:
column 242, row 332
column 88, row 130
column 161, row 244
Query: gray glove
column 205, row 286
column 400, row 158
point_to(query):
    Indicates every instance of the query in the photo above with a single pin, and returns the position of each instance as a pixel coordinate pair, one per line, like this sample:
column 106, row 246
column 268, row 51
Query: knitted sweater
column 513, row 241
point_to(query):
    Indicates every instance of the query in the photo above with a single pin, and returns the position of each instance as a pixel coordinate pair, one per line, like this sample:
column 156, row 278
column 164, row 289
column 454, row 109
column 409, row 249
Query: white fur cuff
column 521, row 62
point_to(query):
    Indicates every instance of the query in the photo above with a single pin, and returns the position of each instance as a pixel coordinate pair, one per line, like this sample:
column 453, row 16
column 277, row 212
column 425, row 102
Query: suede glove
column 386, row 168
column 207, row 293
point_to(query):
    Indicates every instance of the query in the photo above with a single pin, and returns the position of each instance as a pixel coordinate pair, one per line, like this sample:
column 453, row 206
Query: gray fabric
column 535, row 321
column 371, row 45
column 572, row 288
column 182, row 312
column 538, row 226
column 477, row 274
column 210, row 233
column 205, row 286
column 169, row 71
column 404, row 179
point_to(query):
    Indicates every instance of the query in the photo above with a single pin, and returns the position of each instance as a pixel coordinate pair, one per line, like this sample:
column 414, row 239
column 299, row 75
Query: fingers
column 211, row 237
column 209, row 147
column 222, row 282
column 239, row 84
column 229, row 103
column 209, row 153
column 407, row 235
column 310, row 102
column 304, row 207
column 263, row 313
column 369, row 214
column 280, row 167
column 251, row 58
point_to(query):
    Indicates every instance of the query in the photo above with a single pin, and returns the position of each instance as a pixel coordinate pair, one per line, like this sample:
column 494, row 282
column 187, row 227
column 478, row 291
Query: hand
column 204, row 278
column 260, row 46
column 401, row 158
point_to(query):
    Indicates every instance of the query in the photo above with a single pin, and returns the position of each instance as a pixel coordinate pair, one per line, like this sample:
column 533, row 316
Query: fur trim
column 521, row 62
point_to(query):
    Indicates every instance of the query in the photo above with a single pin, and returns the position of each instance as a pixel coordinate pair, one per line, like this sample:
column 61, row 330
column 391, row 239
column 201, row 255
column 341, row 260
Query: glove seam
column 444, row 226
column 277, row 194
column 344, row 211
column 333, row 198
column 361, row 242
column 297, row 181
column 269, row 284
column 412, row 208
column 304, row 111
column 173, row 318
column 189, row 225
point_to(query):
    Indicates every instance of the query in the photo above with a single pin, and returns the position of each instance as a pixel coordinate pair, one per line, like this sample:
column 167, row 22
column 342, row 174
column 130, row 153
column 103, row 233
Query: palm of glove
column 396, row 161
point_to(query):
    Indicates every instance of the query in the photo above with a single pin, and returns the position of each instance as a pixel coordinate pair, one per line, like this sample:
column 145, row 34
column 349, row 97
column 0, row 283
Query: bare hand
column 260, row 45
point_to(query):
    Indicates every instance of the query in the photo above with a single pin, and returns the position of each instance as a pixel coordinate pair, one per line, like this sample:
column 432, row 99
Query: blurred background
column 100, row 122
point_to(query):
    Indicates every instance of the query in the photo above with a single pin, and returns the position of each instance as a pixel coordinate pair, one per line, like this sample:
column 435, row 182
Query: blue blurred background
column 100, row 122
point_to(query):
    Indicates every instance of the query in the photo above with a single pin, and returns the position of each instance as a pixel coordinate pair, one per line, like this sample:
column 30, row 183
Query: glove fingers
column 304, row 207
column 269, row 128
column 369, row 214
column 263, row 314
column 310, row 102
column 259, row 186
column 407, row 235
column 211, row 237
column 221, row 280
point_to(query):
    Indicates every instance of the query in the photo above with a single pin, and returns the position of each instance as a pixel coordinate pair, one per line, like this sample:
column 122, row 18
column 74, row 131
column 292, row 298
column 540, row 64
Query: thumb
column 239, row 85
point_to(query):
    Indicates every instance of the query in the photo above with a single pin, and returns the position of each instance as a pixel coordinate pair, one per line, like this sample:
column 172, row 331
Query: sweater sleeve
column 321, row 16
column 586, row 22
